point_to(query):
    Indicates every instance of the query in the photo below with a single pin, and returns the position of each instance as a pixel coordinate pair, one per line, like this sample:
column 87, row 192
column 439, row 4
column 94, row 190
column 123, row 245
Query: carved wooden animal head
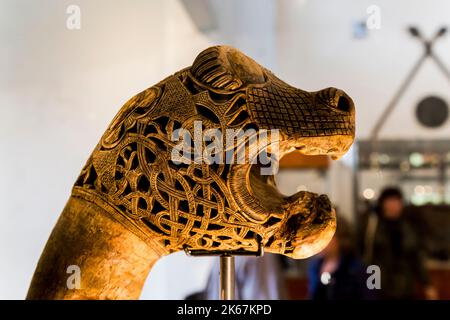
column 176, row 200
column 225, row 206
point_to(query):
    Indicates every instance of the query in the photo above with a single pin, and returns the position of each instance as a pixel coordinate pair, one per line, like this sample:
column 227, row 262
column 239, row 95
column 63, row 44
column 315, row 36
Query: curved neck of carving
column 91, row 256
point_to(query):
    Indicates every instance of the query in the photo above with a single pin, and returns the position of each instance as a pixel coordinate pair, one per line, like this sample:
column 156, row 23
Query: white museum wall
column 59, row 89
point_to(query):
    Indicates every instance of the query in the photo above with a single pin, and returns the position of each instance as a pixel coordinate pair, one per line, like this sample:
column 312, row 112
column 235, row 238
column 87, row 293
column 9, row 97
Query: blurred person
column 336, row 273
column 391, row 243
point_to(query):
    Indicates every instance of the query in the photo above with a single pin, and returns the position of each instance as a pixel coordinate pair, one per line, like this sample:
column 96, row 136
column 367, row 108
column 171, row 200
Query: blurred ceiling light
column 418, row 200
column 419, row 189
column 368, row 193
column 404, row 166
column 447, row 198
column 416, row 159
column 384, row 158
column 436, row 198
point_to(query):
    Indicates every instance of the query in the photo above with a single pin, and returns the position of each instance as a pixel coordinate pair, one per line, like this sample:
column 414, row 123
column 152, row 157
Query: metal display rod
column 227, row 279
column 227, row 267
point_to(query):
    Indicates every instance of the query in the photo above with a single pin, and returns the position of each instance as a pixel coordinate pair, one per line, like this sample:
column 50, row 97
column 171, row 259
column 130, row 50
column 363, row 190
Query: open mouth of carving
column 305, row 221
column 335, row 146
column 264, row 184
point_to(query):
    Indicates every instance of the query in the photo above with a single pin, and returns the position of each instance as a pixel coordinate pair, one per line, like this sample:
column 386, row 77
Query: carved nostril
column 343, row 104
column 336, row 99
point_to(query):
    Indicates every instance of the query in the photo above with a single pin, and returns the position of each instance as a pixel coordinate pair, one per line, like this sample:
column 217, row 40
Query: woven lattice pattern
column 289, row 108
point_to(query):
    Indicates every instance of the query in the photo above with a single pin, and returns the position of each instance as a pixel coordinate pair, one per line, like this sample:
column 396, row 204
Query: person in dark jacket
column 337, row 273
column 391, row 243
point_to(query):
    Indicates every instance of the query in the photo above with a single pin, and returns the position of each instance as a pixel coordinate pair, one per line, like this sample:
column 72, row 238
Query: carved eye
column 226, row 68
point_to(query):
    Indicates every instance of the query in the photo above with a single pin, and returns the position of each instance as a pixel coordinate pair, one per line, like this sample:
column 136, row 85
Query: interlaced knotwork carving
column 220, row 206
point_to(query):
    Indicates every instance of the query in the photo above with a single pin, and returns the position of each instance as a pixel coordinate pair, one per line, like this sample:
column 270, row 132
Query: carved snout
column 336, row 99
